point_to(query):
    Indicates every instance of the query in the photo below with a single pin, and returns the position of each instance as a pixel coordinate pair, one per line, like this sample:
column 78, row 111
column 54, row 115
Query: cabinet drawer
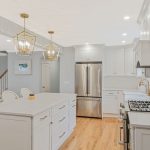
column 42, row 118
column 109, row 93
column 60, row 118
column 73, row 102
column 60, row 108
column 60, row 132
column 73, row 110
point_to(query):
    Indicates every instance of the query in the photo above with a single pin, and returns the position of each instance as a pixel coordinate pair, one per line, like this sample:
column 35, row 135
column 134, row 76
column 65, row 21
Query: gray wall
column 33, row 81
column 54, row 76
column 3, row 63
column 67, row 70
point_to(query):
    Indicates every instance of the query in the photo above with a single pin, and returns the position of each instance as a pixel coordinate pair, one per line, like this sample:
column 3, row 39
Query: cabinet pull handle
column 73, row 100
column 110, row 93
column 62, row 135
column 74, row 106
column 121, row 141
column 43, row 118
column 62, row 107
column 62, row 119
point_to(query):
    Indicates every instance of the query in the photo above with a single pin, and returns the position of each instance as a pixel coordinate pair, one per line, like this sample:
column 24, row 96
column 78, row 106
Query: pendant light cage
column 51, row 51
column 24, row 41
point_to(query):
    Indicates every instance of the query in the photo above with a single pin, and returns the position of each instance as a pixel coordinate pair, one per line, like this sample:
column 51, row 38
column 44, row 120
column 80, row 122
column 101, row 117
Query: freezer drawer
column 89, row 107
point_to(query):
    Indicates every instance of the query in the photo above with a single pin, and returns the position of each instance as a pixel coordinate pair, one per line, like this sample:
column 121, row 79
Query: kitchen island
column 40, row 124
column 138, row 120
column 139, row 130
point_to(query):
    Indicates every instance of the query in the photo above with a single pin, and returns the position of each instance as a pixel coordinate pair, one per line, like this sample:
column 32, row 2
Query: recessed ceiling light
column 8, row 40
column 123, row 42
column 148, row 16
column 126, row 17
column 124, row 34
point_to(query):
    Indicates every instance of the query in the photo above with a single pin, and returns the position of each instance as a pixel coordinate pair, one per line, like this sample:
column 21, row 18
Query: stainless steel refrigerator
column 89, row 89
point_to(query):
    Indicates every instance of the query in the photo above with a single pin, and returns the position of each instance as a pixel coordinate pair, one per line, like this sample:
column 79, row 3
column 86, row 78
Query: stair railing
column 3, row 82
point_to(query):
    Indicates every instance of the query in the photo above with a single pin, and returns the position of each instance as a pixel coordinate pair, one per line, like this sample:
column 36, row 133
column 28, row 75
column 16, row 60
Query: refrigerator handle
column 87, row 80
column 100, row 81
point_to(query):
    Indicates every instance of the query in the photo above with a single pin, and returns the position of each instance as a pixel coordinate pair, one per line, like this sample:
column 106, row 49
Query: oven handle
column 121, row 140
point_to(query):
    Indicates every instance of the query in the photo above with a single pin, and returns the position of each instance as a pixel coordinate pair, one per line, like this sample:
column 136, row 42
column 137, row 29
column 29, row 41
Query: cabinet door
column 42, row 132
column 109, row 61
column 129, row 61
column 114, row 61
column 44, row 137
column 15, row 133
column 145, row 53
column 142, row 139
column 118, row 61
column 45, row 77
column 110, row 103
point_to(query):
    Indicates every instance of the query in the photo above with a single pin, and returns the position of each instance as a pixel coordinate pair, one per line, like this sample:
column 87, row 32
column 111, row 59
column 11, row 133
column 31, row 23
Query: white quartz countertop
column 119, row 89
column 25, row 107
column 139, row 119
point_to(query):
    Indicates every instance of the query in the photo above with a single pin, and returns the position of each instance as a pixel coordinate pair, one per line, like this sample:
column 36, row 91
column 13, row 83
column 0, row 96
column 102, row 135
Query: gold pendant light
column 24, row 41
column 51, row 51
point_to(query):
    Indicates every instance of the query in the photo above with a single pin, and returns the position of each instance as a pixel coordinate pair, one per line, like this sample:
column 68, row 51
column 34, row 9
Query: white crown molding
column 143, row 11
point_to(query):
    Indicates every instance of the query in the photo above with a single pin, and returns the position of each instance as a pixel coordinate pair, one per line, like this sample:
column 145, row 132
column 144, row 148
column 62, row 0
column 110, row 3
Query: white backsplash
column 116, row 82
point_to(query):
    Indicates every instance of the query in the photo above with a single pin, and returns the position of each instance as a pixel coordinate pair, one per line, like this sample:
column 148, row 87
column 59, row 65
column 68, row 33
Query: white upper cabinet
column 143, row 45
column 143, row 52
column 119, row 61
column 89, row 53
column 114, row 62
column 129, row 60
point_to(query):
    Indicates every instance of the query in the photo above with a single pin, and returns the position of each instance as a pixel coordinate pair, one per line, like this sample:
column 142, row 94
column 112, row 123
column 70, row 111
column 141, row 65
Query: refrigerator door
column 89, row 107
column 95, row 80
column 81, row 79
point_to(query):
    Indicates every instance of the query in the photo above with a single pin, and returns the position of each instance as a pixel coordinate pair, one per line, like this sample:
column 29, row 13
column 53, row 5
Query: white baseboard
column 105, row 115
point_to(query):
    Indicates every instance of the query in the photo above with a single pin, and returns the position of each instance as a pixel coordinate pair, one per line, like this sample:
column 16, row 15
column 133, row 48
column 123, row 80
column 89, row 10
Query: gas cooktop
column 140, row 106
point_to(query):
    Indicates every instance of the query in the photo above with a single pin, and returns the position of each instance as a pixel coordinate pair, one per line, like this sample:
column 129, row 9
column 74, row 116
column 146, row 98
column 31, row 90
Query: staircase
column 3, row 82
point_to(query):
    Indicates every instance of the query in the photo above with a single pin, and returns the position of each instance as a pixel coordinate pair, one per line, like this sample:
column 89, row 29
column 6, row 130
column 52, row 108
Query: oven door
column 124, row 134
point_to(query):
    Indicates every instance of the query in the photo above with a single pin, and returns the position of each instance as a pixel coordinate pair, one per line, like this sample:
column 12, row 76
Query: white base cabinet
column 72, row 115
column 111, row 102
column 140, row 138
column 59, row 126
column 15, row 133
column 41, row 131
column 46, row 131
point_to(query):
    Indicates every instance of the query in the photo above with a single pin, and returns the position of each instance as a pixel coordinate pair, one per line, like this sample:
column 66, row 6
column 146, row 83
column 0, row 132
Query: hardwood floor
column 94, row 134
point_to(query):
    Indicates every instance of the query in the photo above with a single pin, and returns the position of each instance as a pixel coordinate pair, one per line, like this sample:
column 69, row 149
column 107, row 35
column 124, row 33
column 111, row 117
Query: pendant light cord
column 24, row 24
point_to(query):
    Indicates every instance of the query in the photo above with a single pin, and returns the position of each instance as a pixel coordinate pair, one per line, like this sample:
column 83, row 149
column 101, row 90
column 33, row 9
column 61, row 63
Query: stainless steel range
column 140, row 106
column 136, row 103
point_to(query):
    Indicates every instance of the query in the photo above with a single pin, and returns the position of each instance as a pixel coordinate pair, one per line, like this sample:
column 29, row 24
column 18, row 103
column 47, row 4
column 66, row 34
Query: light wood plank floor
column 94, row 134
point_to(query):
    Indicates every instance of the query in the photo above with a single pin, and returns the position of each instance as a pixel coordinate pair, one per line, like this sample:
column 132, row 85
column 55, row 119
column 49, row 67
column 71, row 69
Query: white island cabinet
column 40, row 124
column 139, row 131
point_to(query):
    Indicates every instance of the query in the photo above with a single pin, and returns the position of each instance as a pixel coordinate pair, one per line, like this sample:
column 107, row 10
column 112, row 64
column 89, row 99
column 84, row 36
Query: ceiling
column 77, row 21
